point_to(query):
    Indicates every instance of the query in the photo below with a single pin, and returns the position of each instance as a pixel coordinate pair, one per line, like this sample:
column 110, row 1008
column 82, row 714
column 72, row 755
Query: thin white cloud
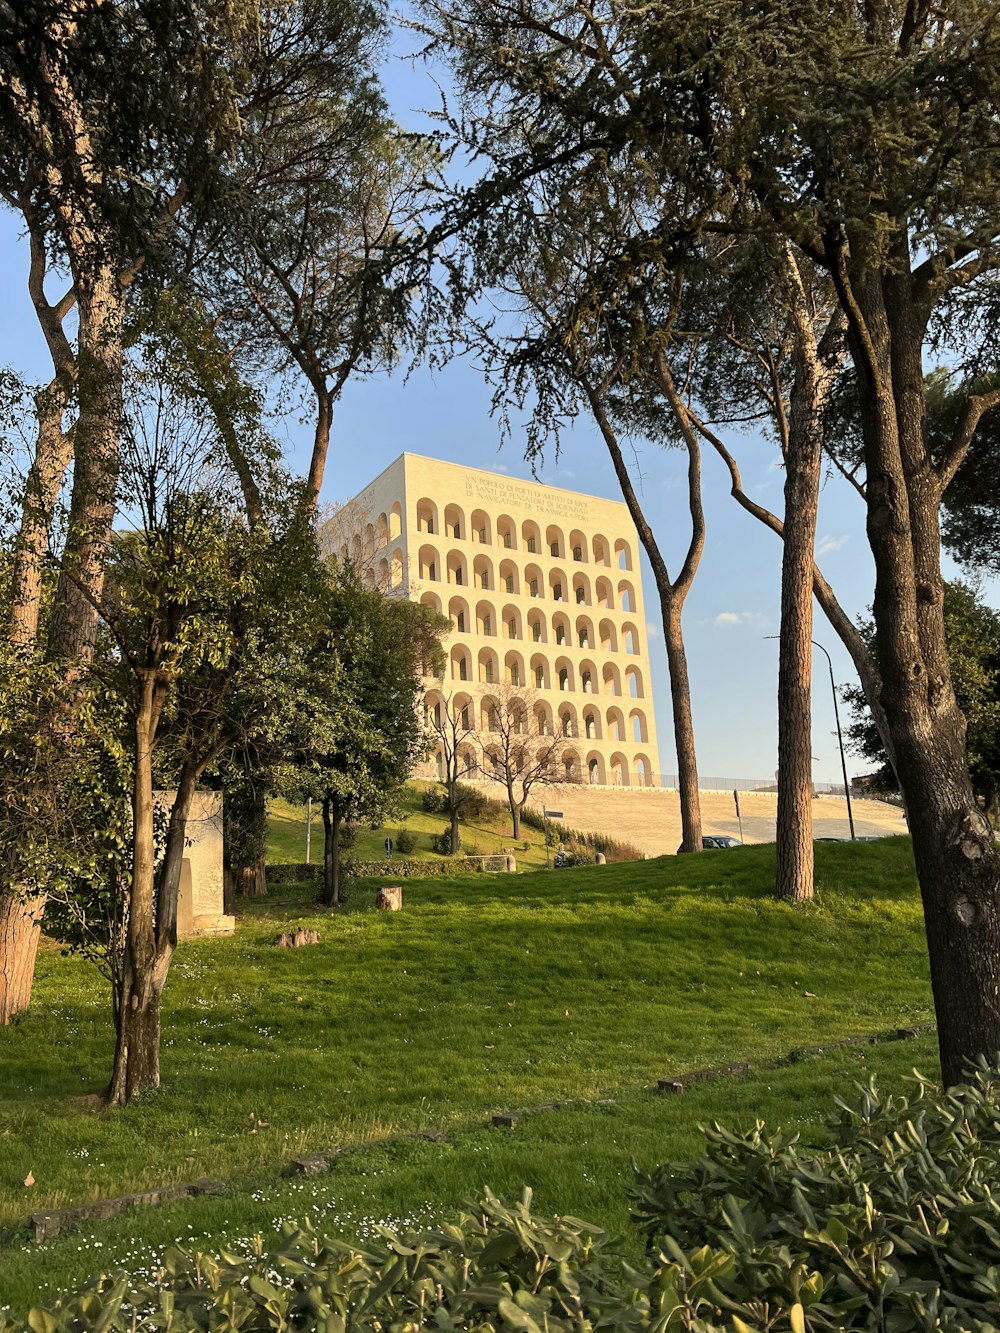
column 652, row 630
column 739, row 618
column 827, row 545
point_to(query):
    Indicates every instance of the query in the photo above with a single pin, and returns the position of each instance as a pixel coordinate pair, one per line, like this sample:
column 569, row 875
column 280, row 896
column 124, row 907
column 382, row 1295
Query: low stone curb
column 313, row 1164
column 48, row 1225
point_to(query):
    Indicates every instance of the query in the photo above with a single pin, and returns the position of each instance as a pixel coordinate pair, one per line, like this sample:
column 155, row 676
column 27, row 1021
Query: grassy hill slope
column 484, row 994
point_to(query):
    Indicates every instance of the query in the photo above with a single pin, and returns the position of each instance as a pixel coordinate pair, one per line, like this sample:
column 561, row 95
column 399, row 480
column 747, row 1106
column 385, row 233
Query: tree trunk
column 672, row 594
column 73, row 629
column 794, row 831
column 137, row 1050
column 53, row 450
column 680, row 700
column 333, row 816
column 956, row 855
column 321, row 445
column 250, row 857
column 169, row 877
column 20, row 931
column 515, row 819
column 453, row 812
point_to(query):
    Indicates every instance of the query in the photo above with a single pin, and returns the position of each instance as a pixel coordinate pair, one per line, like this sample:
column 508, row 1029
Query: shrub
column 477, row 805
column 295, row 872
column 441, row 842
column 895, row 1226
column 391, row 870
column 613, row 848
column 496, row 1267
column 891, row 1228
column 434, row 800
column 405, row 840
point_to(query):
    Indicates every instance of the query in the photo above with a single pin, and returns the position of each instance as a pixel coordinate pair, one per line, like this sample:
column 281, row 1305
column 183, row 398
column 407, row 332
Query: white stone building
column 542, row 588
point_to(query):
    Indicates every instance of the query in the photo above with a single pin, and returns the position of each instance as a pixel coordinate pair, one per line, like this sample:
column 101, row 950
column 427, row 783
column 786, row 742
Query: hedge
column 893, row 1227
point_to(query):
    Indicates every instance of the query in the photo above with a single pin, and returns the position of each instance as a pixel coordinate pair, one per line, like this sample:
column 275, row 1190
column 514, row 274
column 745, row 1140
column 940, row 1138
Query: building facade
column 542, row 588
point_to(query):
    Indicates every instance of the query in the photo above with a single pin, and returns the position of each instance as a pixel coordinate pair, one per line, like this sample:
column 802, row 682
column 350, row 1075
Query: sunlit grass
column 485, row 993
column 287, row 834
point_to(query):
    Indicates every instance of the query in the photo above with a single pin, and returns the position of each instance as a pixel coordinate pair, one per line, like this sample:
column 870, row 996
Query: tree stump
column 390, row 898
column 296, row 939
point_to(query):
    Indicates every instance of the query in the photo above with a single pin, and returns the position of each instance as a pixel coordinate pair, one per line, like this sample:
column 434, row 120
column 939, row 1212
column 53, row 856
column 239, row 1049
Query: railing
column 493, row 865
column 713, row 783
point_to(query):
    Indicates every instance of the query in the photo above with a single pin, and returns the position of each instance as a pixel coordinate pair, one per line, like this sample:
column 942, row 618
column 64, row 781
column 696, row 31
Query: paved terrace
column 651, row 818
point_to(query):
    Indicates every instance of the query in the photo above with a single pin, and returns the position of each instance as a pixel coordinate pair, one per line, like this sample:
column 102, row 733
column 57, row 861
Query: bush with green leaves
column 405, row 840
column 433, row 800
column 295, row 872
column 441, row 843
column 496, row 1268
column 894, row 1226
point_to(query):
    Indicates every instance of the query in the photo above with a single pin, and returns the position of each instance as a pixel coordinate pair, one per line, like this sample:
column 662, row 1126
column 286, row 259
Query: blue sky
column 735, row 599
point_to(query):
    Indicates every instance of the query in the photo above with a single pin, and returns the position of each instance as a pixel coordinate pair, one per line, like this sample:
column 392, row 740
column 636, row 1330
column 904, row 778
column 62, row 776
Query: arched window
column 427, row 564
column 454, row 522
column 638, row 720
column 483, row 571
column 507, row 532
column 457, row 569
column 481, row 527
column 427, row 516
column 623, row 554
column 616, row 724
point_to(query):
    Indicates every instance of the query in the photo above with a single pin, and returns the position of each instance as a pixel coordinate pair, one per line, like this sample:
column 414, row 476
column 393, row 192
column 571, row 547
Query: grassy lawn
column 484, row 994
column 287, row 834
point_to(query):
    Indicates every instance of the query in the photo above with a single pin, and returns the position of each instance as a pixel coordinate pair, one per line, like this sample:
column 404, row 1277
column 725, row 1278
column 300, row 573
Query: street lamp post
column 840, row 738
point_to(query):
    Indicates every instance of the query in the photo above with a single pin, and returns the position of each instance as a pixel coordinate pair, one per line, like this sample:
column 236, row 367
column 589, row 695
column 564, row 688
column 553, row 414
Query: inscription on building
column 536, row 499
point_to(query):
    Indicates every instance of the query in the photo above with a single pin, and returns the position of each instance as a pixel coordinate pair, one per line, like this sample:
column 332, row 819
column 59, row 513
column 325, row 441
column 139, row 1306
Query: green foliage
column 64, row 802
column 477, row 805
column 405, row 840
column 973, row 634
column 441, row 843
column 294, row 872
column 433, row 800
column 580, row 846
column 373, row 737
column 893, row 1226
column 890, row 1227
column 495, row 1267
column 474, row 803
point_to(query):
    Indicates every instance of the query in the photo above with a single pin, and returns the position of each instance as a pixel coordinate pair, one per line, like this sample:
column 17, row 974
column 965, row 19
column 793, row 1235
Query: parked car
column 717, row 842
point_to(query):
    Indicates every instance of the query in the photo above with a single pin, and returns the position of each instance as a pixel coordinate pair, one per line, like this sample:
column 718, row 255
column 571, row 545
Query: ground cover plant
column 885, row 1224
column 485, row 826
column 578, row 1160
column 482, row 995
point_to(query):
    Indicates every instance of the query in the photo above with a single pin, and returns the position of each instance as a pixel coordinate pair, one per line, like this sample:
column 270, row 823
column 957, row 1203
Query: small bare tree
column 516, row 752
column 453, row 728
